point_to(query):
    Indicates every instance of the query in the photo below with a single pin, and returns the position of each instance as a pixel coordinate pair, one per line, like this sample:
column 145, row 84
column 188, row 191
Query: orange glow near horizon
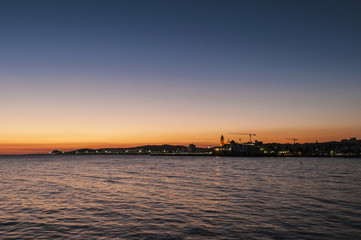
column 38, row 120
column 44, row 144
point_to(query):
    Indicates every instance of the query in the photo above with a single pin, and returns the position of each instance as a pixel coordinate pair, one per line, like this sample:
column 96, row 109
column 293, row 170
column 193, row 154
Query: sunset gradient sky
column 97, row 74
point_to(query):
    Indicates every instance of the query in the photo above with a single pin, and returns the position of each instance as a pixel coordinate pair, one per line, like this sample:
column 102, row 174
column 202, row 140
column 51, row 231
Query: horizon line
column 135, row 146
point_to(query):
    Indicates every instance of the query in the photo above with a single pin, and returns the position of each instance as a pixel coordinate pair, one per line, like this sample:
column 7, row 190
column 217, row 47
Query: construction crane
column 249, row 134
column 294, row 140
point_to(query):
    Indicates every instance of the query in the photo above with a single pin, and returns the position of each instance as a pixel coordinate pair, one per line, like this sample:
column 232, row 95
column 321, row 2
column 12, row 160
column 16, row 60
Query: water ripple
column 133, row 197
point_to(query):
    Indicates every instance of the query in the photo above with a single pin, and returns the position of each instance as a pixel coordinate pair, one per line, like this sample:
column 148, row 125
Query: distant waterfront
column 345, row 148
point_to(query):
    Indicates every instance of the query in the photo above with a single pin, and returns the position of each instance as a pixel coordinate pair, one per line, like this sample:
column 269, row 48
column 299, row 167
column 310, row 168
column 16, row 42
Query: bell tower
column 222, row 141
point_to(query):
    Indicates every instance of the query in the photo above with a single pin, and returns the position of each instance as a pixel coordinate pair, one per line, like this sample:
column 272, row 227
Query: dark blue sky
column 207, row 38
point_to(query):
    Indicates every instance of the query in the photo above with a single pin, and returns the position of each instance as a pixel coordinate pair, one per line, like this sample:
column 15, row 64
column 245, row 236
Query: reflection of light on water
column 217, row 168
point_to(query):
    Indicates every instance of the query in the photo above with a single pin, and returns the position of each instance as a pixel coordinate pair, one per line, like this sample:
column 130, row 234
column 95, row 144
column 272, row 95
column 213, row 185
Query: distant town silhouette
column 344, row 148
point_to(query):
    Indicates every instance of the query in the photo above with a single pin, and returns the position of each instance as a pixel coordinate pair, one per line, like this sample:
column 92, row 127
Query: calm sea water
column 144, row 197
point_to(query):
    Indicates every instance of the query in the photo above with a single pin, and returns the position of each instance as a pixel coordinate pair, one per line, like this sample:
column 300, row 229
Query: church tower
column 222, row 141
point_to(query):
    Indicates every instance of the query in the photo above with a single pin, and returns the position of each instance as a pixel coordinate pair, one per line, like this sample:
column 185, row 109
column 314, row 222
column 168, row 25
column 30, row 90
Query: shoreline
column 178, row 155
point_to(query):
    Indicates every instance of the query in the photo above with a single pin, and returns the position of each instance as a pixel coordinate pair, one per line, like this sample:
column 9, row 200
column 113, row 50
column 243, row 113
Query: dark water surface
column 144, row 197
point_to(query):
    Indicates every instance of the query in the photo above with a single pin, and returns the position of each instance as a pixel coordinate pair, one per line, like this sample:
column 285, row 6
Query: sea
column 164, row 197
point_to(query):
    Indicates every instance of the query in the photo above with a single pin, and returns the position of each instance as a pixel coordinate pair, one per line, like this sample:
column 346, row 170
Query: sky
column 98, row 74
